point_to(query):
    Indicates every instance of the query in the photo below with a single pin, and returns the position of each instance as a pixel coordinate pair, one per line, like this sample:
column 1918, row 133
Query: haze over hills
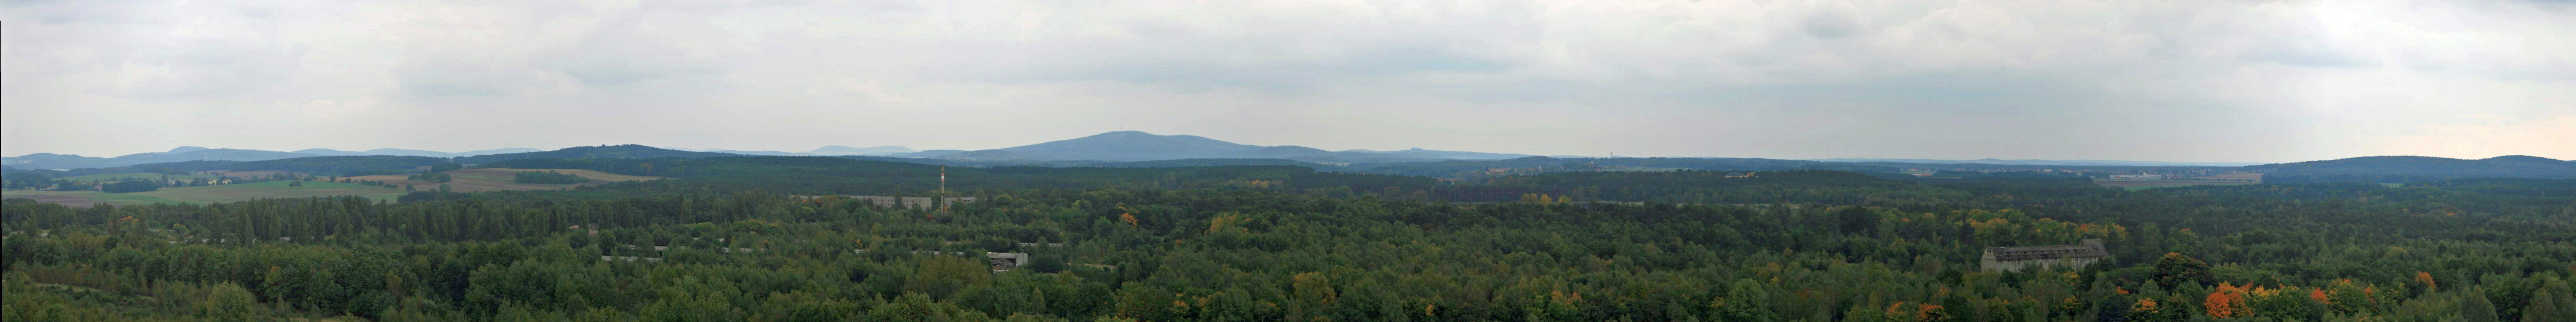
column 1133, row 148
column 185, row 153
column 2503, row 166
column 2047, row 162
column 828, row 150
column 1141, row 146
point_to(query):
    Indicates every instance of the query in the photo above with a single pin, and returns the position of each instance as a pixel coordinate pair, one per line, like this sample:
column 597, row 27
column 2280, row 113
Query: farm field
column 2135, row 185
column 498, row 179
column 247, row 174
column 136, row 175
column 209, row 194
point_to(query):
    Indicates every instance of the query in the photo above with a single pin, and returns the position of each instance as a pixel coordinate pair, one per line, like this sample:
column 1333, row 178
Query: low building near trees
column 2016, row 258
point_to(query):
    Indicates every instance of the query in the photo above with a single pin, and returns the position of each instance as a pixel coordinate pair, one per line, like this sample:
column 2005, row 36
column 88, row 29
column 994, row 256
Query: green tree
column 1856, row 220
column 2477, row 308
column 942, row 277
column 2551, row 303
column 228, row 302
column 1745, row 300
column 2175, row 269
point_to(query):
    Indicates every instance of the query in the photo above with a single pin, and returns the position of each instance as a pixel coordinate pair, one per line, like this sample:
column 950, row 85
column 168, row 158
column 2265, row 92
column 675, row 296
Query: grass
column 136, row 175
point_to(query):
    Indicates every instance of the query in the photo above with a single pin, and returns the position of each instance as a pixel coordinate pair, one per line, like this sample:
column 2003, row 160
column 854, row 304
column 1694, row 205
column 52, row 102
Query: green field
column 221, row 193
column 137, row 175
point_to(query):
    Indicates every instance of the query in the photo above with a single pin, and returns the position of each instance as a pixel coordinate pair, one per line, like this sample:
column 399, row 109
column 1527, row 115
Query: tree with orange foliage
column 1910, row 312
column 2425, row 280
column 2227, row 302
column 2148, row 310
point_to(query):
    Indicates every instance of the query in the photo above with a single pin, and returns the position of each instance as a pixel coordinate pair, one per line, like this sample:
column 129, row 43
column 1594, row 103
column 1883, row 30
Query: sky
column 2191, row 80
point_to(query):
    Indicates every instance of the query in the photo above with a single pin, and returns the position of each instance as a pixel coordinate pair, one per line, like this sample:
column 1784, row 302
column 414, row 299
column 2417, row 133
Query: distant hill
column 2048, row 162
column 926, row 154
column 1214, row 163
column 831, row 150
column 741, row 152
column 190, row 153
column 416, row 153
column 351, row 165
column 629, row 151
column 1453, row 167
column 329, row 152
column 1124, row 146
column 1140, row 146
column 2511, row 166
column 1456, row 155
column 409, row 152
column 494, row 151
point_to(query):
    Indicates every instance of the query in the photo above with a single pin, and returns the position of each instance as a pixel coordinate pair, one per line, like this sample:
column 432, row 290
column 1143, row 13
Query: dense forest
column 770, row 239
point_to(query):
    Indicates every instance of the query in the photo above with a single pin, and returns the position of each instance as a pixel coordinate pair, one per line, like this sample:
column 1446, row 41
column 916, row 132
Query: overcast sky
column 2191, row 80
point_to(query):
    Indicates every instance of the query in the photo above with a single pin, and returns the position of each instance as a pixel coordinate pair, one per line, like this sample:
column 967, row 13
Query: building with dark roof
column 1998, row 259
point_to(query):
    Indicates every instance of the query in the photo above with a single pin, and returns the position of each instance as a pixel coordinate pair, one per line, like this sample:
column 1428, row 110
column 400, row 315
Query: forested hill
column 603, row 151
column 1215, row 163
column 836, row 175
column 356, row 165
column 1141, row 146
column 1451, row 167
column 65, row 161
column 2412, row 169
column 2503, row 166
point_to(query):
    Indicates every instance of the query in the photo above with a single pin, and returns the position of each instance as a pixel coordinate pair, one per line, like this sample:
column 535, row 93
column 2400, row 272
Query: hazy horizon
column 2116, row 80
column 802, row 150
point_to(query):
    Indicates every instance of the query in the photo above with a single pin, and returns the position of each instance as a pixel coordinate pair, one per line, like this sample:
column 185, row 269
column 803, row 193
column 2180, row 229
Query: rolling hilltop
column 2509, row 166
column 1141, row 146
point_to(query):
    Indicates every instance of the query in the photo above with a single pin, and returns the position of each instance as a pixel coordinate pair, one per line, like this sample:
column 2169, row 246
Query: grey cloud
column 206, row 67
column 644, row 45
column 439, row 79
column 2286, row 79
